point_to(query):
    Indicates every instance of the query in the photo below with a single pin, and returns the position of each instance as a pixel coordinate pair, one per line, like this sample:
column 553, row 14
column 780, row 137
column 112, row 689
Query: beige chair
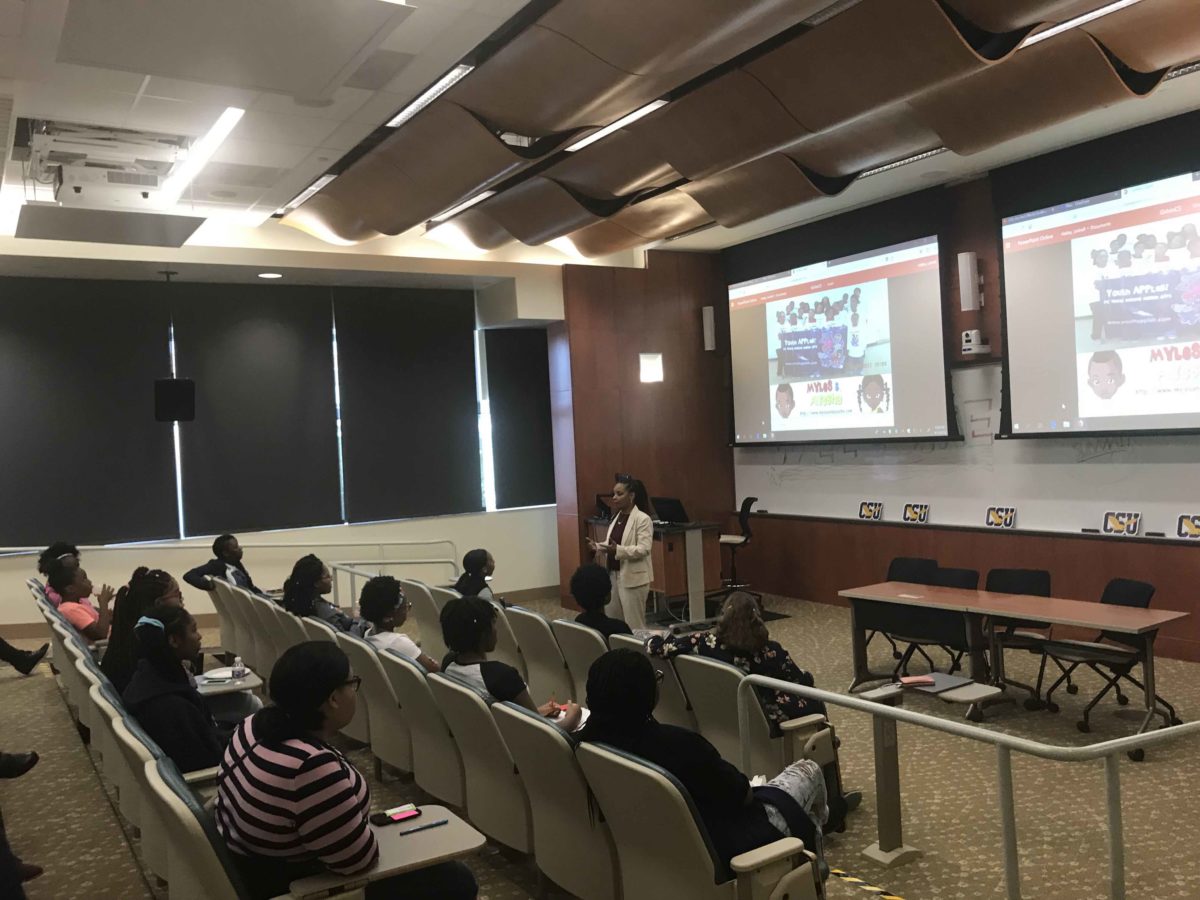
column 664, row 850
column 437, row 764
column 290, row 628
column 546, row 670
column 507, row 649
column 101, row 735
column 246, row 625
column 673, row 706
column 713, row 687
column 427, row 611
column 266, row 630
column 391, row 740
column 73, row 684
column 497, row 802
column 572, row 847
column 200, row 864
column 359, row 728
column 226, row 624
column 581, row 646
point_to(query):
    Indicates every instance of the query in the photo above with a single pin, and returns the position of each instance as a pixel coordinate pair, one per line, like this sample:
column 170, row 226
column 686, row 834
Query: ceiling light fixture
column 305, row 194
column 450, row 235
column 1076, row 22
column 270, row 275
column 462, row 207
column 617, row 125
column 199, row 153
column 908, row 160
column 439, row 87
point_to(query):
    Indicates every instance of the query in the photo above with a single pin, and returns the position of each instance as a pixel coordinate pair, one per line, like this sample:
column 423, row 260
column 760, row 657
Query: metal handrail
column 252, row 545
column 1110, row 751
column 348, row 566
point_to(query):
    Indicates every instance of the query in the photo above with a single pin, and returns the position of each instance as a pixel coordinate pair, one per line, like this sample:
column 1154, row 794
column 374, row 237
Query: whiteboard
column 1056, row 484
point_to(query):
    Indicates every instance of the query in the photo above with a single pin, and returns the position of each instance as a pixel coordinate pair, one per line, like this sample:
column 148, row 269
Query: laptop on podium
column 669, row 510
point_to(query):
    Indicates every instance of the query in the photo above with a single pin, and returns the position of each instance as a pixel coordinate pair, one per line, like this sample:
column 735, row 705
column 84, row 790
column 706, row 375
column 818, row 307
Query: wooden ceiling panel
column 1045, row 84
column 620, row 165
column 539, row 210
column 1008, row 15
column 542, row 83
column 724, row 123
column 873, row 54
column 641, row 223
column 1153, row 34
column 482, row 230
column 883, row 137
column 756, row 189
column 655, row 37
column 336, row 220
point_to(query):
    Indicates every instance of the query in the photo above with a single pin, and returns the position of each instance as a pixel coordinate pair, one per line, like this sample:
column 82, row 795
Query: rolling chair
column 940, row 628
column 1022, row 634
column 911, row 570
column 1118, row 653
column 735, row 541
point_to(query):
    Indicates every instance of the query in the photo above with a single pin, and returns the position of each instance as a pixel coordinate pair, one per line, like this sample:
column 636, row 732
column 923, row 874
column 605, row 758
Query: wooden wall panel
column 815, row 558
column 673, row 435
column 972, row 226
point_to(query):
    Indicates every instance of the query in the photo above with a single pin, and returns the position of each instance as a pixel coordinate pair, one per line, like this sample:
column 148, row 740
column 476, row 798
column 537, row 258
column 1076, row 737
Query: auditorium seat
column 673, row 707
column 388, row 726
column 427, row 611
column 581, row 646
column 359, row 728
column 547, row 673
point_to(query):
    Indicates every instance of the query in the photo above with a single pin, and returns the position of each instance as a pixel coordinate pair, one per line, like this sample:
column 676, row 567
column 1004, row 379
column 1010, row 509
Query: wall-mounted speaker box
column 969, row 293
column 710, row 328
column 174, row 400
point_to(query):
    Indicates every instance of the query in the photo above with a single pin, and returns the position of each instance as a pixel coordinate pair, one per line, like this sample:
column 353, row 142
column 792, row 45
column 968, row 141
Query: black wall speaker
column 174, row 400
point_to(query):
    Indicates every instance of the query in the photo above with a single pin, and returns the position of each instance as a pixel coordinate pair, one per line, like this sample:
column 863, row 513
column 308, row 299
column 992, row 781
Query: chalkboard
column 1060, row 484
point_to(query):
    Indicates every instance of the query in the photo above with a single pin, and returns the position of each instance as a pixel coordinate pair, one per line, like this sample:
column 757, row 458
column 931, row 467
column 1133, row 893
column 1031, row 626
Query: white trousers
column 629, row 604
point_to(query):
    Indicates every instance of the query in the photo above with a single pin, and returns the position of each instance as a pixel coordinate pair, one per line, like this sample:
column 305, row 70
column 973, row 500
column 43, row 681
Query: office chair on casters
column 733, row 542
column 938, row 628
column 1118, row 653
column 913, row 570
column 1023, row 634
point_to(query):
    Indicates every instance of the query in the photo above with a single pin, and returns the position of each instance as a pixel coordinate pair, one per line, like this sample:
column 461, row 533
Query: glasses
column 355, row 680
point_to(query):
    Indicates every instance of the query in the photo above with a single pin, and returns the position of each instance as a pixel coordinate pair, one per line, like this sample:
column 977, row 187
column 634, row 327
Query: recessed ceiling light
column 462, row 207
column 439, row 87
column 270, row 275
column 617, row 125
column 1077, row 21
column 305, row 194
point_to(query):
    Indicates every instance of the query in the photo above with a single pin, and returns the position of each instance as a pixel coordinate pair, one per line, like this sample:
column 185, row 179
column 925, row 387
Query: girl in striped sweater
column 290, row 805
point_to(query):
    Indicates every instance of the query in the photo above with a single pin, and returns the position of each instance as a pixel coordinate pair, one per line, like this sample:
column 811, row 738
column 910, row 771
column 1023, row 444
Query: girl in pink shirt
column 74, row 586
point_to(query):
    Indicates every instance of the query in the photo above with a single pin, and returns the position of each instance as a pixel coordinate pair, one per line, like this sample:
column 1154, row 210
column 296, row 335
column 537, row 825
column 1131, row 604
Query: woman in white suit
column 626, row 551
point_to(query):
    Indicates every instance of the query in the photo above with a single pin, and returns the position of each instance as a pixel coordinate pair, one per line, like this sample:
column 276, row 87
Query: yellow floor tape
column 871, row 889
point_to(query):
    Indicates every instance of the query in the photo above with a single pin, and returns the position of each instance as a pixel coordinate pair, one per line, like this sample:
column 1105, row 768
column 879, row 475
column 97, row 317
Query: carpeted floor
column 61, row 810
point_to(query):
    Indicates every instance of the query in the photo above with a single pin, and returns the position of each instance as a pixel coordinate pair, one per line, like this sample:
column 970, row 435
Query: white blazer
column 633, row 553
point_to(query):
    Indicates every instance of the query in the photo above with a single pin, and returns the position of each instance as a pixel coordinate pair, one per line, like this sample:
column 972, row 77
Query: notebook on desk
column 669, row 510
column 941, row 682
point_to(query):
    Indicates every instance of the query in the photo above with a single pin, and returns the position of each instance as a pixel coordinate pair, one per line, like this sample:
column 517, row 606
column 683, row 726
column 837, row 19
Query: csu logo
column 1126, row 523
column 1188, row 527
column 916, row 512
column 871, row 510
column 1001, row 517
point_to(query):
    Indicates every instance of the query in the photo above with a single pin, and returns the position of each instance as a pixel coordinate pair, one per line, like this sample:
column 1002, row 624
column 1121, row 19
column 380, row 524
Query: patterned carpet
column 62, row 810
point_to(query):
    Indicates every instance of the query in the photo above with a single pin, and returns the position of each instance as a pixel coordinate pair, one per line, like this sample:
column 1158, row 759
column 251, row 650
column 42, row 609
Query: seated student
column 58, row 553
column 71, row 583
column 741, row 638
column 478, row 567
column 289, row 804
column 162, row 696
column 147, row 589
column 469, row 630
column 592, row 589
column 622, row 691
column 302, row 592
column 226, row 564
column 384, row 605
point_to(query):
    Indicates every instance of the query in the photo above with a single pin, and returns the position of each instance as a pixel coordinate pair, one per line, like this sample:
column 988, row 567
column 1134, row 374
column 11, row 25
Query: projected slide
column 849, row 348
column 1103, row 304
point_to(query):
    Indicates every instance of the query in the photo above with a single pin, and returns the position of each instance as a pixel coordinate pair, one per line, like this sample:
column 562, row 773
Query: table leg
column 858, row 643
column 979, row 670
column 1148, row 684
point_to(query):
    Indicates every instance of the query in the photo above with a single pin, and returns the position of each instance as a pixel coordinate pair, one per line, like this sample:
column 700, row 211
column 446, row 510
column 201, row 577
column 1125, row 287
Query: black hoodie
column 175, row 717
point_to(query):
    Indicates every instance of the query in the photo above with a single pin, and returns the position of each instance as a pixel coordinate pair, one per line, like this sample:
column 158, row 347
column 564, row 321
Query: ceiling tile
column 339, row 106
column 305, row 131
column 261, row 153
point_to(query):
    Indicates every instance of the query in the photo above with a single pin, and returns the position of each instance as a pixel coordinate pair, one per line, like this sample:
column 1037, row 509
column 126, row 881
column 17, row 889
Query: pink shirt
column 81, row 614
column 53, row 596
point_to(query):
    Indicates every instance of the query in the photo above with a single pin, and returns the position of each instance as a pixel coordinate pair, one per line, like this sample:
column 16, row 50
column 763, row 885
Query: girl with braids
column 875, row 391
column 622, row 691
column 147, row 588
column 626, row 551
column 60, row 553
column 289, row 804
column 302, row 592
column 478, row 567
column 162, row 696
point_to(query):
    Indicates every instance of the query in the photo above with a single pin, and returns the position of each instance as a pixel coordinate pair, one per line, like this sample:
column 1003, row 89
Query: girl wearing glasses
column 289, row 804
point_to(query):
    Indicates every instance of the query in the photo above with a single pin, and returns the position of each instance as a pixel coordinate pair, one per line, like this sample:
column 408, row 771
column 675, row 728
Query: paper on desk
column 911, row 596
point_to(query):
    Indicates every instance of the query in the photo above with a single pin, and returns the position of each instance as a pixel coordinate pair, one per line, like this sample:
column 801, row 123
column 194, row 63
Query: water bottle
column 239, row 667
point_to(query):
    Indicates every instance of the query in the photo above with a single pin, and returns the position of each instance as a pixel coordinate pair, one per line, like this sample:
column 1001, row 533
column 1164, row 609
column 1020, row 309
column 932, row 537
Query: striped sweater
column 296, row 801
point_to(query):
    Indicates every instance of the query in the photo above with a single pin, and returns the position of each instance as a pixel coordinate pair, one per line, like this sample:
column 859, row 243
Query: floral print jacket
column 772, row 661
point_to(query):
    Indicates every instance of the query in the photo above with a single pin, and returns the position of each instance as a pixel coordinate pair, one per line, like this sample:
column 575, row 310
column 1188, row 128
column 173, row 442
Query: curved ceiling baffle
column 641, row 223
column 1151, row 35
column 1012, row 14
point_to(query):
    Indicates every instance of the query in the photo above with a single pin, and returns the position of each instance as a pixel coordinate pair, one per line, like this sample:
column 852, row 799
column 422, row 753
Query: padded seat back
column 437, row 764
column 548, row 675
column 508, row 650
column 1127, row 592
column 912, row 569
column 225, row 621
column 242, row 616
column 581, row 646
column 290, row 628
column 571, row 846
column 673, row 707
column 391, row 740
column 359, row 728
column 427, row 612
column 1034, row 582
column 266, row 628
column 497, row 803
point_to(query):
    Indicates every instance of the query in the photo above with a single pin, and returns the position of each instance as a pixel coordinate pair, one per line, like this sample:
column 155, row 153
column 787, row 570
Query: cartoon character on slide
column 785, row 400
column 1105, row 373
column 874, row 391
